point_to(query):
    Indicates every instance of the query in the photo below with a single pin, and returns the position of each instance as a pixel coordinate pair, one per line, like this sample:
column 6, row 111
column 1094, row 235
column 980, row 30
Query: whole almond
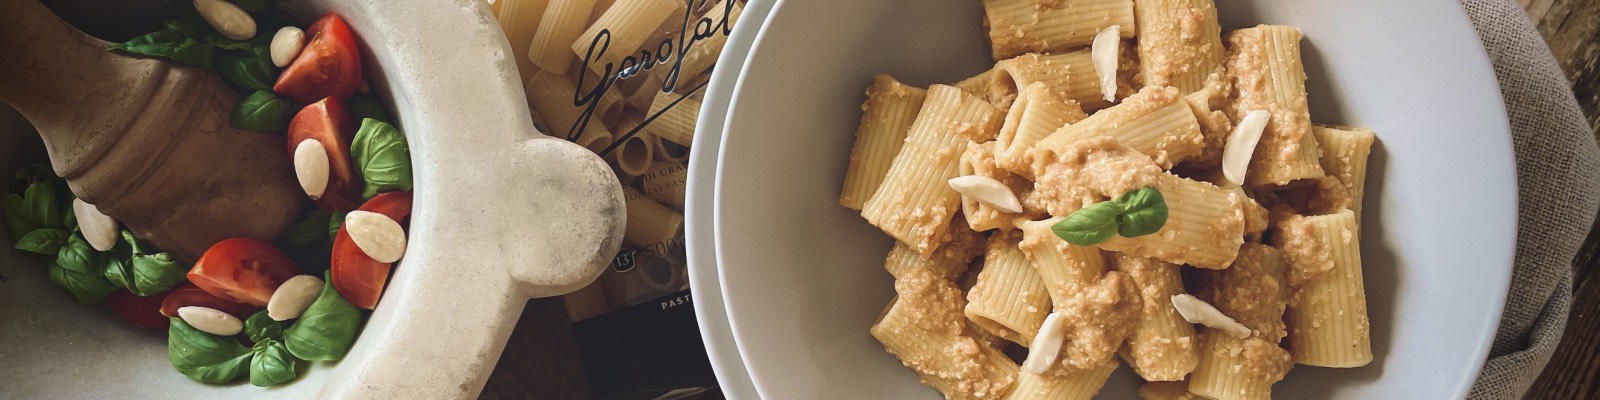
column 293, row 296
column 227, row 18
column 98, row 229
column 210, row 320
column 286, row 44
column 311, row 167
column 377, row 235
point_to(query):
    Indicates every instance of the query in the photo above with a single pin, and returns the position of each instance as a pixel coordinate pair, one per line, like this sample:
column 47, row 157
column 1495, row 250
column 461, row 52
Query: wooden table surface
column 541, row 363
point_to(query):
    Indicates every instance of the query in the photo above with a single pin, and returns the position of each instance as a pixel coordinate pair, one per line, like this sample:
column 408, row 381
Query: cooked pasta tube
column 1069, row 76
column 1252, row 292
column 1163, row 346
column 1266, row 72
column 1178, row 390
column 633, row 156
column 665, row 181
column 979, row 160
column 1021, row 26
column 703, row 53
column 629, row 23
column 649, row 222
column 520, row 20
column 562, row 22
column 886, row 117
column 1344, row 155
column 1036, row 114
column 675, row 118
column 1156, row 121
column 950, row 261
column 1098, row 308
column 550, row 95
column 915, row 203
column 1009, row 299
column 924, row 328
column 1205, row 226
column 1215, row 126
column 1180, row 42
column 1082, row 385
column 1327, row 317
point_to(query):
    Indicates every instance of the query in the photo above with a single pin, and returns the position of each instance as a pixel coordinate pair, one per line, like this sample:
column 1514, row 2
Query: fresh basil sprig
column 326, row 330
column 272, row 364
column 382, row 158
column 81, row 270
column 262, row 111
column 247, row 69
column 261, row 327
column 177, row 40
column 47, row 241
column 204, row 357
column 37, row 207
column 1136, row 213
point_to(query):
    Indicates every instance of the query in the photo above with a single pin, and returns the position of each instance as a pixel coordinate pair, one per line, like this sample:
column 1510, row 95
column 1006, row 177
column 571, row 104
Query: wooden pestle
column 146, row 140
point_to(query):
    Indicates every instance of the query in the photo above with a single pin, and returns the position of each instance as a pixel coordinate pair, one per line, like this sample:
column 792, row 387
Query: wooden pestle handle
column 145, row 140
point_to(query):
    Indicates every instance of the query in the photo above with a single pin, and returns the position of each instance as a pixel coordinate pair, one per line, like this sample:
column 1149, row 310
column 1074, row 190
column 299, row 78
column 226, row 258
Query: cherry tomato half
column 329, row 122
column 356, row 276
column 242, row 270
column 189, row 295
column 328, row 66
column 139, row 311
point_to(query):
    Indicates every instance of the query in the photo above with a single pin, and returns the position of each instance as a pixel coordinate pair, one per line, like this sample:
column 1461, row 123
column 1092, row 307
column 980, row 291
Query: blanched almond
column 98, row 229
column 377, row 235
column 293, row 296
column 1197, row 311
column 1242, row 145
column 311, row 167
column 210, row 320
column 1046, row 345
column 988, row 191
column 1104, row 53
column 286, row 44
column 227, row 18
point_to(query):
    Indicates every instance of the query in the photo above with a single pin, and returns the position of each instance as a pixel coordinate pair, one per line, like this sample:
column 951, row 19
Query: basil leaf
column 272, row 364
column 204, row 357
column 130, row 245
column 188, row 24
column 217, row 40
column 43, row 206
column 335, row 223
column 252, row 6
column 18, row 222
column 47, row 241
column 1089, row 225
column 326, row 330
column 79, row 269
column 154, row 273
column 1144, row 212
column 262, row 112
column 118, row 271
column 364, row 106
column 174, row 42
column 246, row 70
column 261, row 327
column 308, row 242
column 69, row 217
column 382, row 158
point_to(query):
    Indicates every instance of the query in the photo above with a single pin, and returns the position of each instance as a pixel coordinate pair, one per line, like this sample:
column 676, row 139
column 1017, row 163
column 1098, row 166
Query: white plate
column 703, row 284
column 803, row 279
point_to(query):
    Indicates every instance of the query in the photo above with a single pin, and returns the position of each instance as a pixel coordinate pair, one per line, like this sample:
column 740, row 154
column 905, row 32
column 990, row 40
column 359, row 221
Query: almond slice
column 98, row 229
column 1104, row 53
column 988, row 191
column 1197, row 311
column 1046, row 345
column 377, row 235
column 311, row 167
column 1242, row 145
column 210, row 320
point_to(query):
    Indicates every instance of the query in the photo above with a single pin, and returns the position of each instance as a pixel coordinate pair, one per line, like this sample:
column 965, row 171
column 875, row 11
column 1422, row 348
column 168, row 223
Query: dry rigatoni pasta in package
column 624, row 78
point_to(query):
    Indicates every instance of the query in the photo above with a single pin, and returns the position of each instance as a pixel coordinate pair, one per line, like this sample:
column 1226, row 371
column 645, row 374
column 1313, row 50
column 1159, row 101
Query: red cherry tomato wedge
column 356, row 276
column 242, row 270
column 330, row 123
column 189, row 295
column 328, row 66
column 143, row 312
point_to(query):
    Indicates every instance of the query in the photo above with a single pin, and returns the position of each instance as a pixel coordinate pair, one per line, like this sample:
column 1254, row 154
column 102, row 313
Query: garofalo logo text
column 668, row 51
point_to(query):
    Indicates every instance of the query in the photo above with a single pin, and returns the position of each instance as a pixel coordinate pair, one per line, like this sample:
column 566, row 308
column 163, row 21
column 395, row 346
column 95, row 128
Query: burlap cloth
column 1558, row 178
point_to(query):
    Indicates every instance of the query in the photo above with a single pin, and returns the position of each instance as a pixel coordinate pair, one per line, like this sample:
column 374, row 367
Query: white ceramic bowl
column 802, row 278
column 501, row 214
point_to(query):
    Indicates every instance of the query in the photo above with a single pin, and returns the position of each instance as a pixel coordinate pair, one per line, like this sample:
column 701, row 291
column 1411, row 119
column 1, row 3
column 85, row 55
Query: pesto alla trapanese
column 1035, row 206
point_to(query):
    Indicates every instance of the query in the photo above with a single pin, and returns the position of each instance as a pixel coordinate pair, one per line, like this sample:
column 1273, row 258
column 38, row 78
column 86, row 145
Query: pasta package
column 914, row 204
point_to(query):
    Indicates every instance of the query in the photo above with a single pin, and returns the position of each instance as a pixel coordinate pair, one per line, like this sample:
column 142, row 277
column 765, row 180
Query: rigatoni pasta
column 1265, row 68
column 561, row 24
column 1156, row 121
column 1252, row 292
column 629, row 23
column 1180, row 42
column 520, row 20
column 1022, row 26
column 1327, row 317
column 1344, row 156
column 924, row 324
column 1163, row 346
column 886, row 118
column 1009, row 299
